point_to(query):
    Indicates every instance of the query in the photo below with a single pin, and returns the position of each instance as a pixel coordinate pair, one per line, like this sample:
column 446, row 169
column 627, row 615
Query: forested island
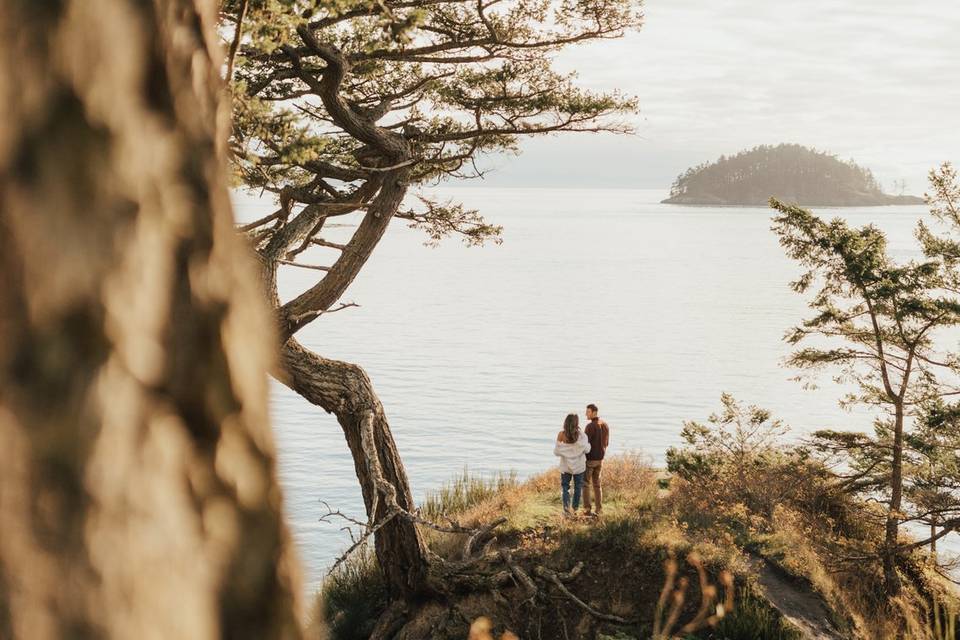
column 788, row 172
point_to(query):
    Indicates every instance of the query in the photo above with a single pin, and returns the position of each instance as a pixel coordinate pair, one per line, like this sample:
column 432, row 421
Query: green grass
column 753, row 618
column 539, row 509
column 535, row 511
column 465, row 491
column 354, row 596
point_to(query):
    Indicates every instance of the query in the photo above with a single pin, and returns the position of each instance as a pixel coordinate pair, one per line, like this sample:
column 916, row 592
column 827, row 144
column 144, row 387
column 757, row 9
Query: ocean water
column 650, row 311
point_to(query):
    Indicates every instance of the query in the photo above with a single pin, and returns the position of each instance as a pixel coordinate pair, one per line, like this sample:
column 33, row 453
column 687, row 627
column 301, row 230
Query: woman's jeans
column 565, row 489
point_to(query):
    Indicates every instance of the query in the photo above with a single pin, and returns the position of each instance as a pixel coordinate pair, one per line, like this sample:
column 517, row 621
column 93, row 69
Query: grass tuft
column 353, row 597
column 753, row 618
column 464, row 492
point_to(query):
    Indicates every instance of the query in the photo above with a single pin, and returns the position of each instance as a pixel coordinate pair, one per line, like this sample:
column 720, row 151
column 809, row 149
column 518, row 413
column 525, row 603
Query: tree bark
column 306, row 307
column 890, row 576
column 933, row 540
column 345, row 390
column 138, row 490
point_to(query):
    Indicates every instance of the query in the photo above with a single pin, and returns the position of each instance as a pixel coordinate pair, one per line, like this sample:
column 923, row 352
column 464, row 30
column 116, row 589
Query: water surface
column 604, row 296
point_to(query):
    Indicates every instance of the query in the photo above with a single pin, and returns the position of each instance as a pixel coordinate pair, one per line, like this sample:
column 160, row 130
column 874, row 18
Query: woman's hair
column 571, row 428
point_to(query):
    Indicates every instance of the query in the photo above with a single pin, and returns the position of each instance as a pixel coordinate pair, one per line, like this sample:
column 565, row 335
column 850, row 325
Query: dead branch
column 529, row 587
column 554, row 579
column 344, row 305
column 326, row 243
column 262, row 221
column 315, row 267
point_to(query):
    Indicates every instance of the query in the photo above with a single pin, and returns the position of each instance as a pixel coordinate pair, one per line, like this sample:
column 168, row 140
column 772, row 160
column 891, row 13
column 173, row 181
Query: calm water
column 605, row 296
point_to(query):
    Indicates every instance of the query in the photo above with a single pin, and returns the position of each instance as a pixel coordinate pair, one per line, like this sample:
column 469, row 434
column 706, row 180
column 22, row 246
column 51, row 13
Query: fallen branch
column 554, row 579
column 529, row 587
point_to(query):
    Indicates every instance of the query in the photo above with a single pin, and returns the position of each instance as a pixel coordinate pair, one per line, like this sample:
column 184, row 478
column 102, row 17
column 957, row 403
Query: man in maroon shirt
column 598, row 433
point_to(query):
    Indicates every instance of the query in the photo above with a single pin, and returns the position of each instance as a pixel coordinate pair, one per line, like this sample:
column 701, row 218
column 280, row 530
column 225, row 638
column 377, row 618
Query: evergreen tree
column 348, row 107
column 876, row 324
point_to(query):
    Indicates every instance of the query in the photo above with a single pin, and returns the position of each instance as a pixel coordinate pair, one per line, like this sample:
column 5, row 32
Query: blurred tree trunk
column 138, row 491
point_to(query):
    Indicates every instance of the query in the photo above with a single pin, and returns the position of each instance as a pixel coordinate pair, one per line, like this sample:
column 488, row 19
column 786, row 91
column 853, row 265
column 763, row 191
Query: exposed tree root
column 391, row 621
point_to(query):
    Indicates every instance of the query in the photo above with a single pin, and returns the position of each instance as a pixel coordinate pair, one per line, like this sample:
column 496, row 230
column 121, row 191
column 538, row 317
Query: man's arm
column 606, row 436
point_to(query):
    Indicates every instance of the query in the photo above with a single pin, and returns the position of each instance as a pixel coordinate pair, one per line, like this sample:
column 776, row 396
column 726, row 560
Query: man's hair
column 593, row 408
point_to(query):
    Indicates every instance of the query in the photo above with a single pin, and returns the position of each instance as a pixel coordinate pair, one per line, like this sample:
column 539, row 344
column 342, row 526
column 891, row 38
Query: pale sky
column 873, row 80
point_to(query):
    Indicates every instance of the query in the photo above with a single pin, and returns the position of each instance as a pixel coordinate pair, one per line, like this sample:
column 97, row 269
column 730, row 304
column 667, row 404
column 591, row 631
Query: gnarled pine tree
column 345, row 108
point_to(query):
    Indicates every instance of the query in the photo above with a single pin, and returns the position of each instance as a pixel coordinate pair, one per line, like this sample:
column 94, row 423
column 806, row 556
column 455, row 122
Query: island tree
column 138, row 492
column 875, row 325
column 347, row 108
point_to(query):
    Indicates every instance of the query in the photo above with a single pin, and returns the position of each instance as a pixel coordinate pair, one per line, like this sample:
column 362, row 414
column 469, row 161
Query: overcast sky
column 873, row 80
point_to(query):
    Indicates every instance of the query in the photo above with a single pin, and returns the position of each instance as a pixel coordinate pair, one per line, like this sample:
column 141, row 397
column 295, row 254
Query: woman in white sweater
column 571, row 447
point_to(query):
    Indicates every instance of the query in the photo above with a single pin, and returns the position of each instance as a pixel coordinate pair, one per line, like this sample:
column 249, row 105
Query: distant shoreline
column 888, row 201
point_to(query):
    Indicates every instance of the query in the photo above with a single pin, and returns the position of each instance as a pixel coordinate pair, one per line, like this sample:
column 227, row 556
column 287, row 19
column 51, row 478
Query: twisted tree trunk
column 138, row 493
column 345, row 390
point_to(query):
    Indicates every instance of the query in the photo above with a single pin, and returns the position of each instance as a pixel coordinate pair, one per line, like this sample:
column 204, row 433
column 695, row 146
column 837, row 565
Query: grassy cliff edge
column 790, row 577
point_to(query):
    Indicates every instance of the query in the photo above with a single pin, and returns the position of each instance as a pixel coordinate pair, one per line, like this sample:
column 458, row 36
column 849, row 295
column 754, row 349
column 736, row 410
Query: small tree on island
column 875, row 324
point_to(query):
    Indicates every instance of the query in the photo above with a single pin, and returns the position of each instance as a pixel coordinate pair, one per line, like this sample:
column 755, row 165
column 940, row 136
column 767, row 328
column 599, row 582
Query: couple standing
column 581, row 460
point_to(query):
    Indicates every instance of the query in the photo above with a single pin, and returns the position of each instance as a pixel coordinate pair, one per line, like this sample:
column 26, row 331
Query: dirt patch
column 802, row 608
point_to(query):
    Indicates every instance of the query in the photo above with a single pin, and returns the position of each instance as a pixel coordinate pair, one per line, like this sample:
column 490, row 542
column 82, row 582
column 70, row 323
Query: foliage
column 798, row 515
column 737, row 436
column 735, row 471
column 789, row 172
column 753, row 618
column 328, row 96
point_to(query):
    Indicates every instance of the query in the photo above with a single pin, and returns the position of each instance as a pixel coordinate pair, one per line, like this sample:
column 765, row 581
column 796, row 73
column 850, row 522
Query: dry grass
column 626, row 550
column 791, row 514
column 464, row 492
